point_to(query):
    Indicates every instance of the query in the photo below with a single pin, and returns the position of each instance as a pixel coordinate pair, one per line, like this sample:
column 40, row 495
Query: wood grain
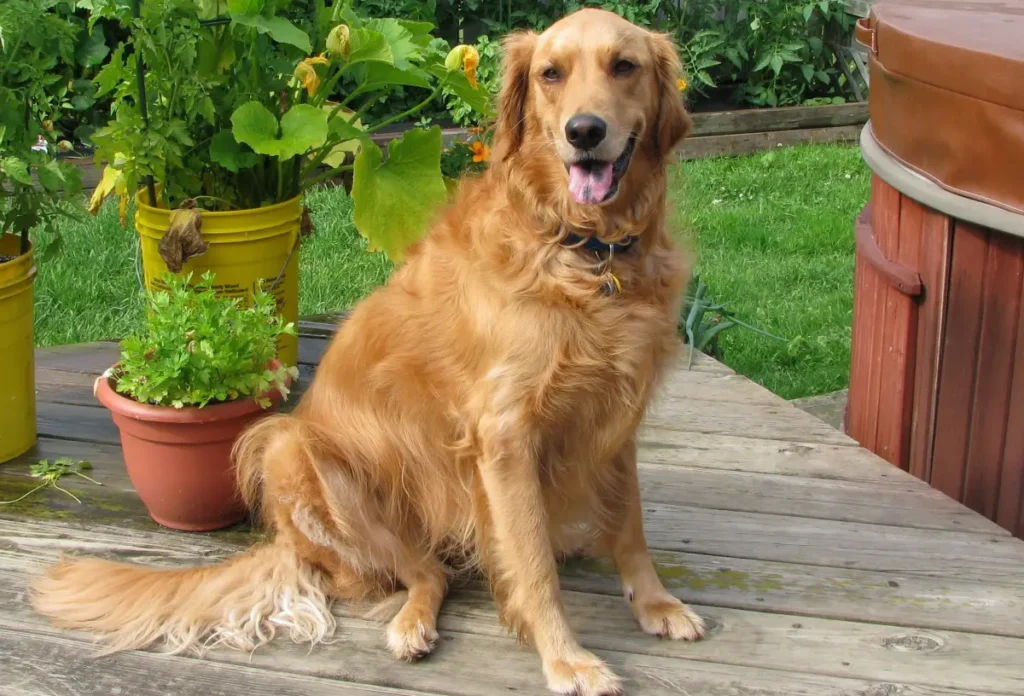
column 934, row 269
column 741, row 657
column 748, row 143
column 841, row 593
column 959, row 364
column 779, row 119
column 989, row 410
column 885, row 503
column 730, row 452
column 835, row 544
column 899, row 349
column 1010, row 512
column 34, row 664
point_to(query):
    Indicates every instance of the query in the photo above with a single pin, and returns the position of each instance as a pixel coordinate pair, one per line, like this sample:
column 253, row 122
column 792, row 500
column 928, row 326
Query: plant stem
column 87, row 478
column 68, row 492
column 18, row 500
column 330, row 173
column 408, row 112
column 280, row 179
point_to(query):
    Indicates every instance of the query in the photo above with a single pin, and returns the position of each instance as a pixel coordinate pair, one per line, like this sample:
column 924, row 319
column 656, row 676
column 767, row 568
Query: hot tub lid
column 947, row 93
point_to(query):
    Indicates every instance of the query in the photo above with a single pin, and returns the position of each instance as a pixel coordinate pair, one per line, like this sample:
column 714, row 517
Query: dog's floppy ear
column 672, row 123
column 517, row 50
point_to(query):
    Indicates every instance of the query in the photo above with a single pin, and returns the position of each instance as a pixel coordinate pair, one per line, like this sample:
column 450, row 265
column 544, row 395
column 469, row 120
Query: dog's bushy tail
column 240, row 603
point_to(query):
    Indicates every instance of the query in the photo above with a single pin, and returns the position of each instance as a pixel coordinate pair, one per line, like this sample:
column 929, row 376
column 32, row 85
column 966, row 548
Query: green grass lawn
column 774, row 234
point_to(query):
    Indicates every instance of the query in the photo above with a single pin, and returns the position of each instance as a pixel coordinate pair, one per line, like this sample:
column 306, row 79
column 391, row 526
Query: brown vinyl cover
column 947, row 93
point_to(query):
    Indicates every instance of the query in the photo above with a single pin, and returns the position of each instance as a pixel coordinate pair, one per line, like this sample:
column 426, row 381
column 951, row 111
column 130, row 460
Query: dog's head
column 594, row 97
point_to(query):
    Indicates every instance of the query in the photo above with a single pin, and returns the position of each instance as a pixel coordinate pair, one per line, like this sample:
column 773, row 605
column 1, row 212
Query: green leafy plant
column 781, row 52
column 51, row 473
column 198, row 347
column 250, row 102
column 702, row 321
column 34, row 37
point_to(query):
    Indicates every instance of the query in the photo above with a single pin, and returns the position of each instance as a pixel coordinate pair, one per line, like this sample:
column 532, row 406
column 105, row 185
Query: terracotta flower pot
column 179, row 459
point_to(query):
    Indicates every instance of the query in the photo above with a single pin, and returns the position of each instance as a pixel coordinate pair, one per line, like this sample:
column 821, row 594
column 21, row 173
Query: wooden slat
column 748, row 143
column 841, row 593
column 905, row 504
column 957, row 374
column 1001, row 301
column 90, row 358
column 835, row 544
column 751, row 645
column 477, row 658
column 817, row 646
column 890, row 503
column 759, row 455
column 934, row 270
column 778, row 421
column 1010, row 512
column 311, row 349
column 838, row 593
column 885, row 223
column 33, row 664
column 900, row 331
column 779, row 119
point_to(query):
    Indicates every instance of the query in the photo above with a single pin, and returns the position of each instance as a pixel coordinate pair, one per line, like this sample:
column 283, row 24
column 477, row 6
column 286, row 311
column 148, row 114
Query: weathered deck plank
column 822, row 569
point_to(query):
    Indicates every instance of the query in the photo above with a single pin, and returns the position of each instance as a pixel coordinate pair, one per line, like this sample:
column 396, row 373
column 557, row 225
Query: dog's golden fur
column 482, row 406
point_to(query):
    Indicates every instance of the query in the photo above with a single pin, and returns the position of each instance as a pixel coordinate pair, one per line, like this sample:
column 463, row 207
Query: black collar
column 594, row 244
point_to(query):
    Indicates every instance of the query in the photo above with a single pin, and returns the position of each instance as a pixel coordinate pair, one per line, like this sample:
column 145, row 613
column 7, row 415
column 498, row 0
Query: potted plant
column 34, row 37
column 225, row 112
column 199, row 371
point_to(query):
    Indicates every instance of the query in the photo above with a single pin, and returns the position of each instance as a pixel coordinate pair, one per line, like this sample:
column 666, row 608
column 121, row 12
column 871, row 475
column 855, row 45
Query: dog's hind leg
column 412, row 633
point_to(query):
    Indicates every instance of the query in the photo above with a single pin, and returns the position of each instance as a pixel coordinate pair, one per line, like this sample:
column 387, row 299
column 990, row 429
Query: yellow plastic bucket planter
column 246, row 248
column 17, row 383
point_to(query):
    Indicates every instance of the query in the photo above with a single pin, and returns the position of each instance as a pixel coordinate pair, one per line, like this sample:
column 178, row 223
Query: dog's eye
column 623, row 67
column 551, row 75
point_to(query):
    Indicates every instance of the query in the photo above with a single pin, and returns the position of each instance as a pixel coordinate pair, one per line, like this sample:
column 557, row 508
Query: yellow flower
column 481, row 151
column 682, row 84
column 338, row 41
column 465, row 57
column 305, row 73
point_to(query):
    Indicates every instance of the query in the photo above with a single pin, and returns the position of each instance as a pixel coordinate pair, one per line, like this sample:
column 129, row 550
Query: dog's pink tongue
column 590, row 185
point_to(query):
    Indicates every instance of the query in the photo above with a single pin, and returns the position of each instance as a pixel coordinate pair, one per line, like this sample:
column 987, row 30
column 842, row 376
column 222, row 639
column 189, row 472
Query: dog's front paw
column 667, row 617
column 583, row 674
column 411, row 636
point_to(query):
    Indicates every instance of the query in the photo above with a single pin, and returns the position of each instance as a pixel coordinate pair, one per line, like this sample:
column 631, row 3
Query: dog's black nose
column 585, row 131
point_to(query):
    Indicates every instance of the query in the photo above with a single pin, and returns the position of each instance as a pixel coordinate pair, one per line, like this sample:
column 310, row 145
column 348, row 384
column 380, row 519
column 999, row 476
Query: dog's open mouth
column 595, row 181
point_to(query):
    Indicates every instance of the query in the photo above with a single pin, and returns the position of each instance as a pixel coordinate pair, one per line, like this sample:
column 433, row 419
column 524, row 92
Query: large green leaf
column 279, row 29
column 92, row 50
column 303, row 127
column 228, row 153
column 404, row 50
column 245, row 7
column 382, row 75
column 366, row 45
column 252, row 124
column 396, row 199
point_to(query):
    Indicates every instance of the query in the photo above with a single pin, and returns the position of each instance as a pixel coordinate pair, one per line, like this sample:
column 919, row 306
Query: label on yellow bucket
column 247, row 249
column 17, row 388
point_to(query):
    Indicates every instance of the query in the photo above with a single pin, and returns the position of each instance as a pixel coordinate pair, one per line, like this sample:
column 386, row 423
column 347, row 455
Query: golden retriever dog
column 478, row 412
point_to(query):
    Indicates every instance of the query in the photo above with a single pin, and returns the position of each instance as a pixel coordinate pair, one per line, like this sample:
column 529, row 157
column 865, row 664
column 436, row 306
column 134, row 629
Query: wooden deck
column 821, row 569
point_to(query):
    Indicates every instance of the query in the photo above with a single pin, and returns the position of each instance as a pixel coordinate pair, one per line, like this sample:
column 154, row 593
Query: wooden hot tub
column 937, row 369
